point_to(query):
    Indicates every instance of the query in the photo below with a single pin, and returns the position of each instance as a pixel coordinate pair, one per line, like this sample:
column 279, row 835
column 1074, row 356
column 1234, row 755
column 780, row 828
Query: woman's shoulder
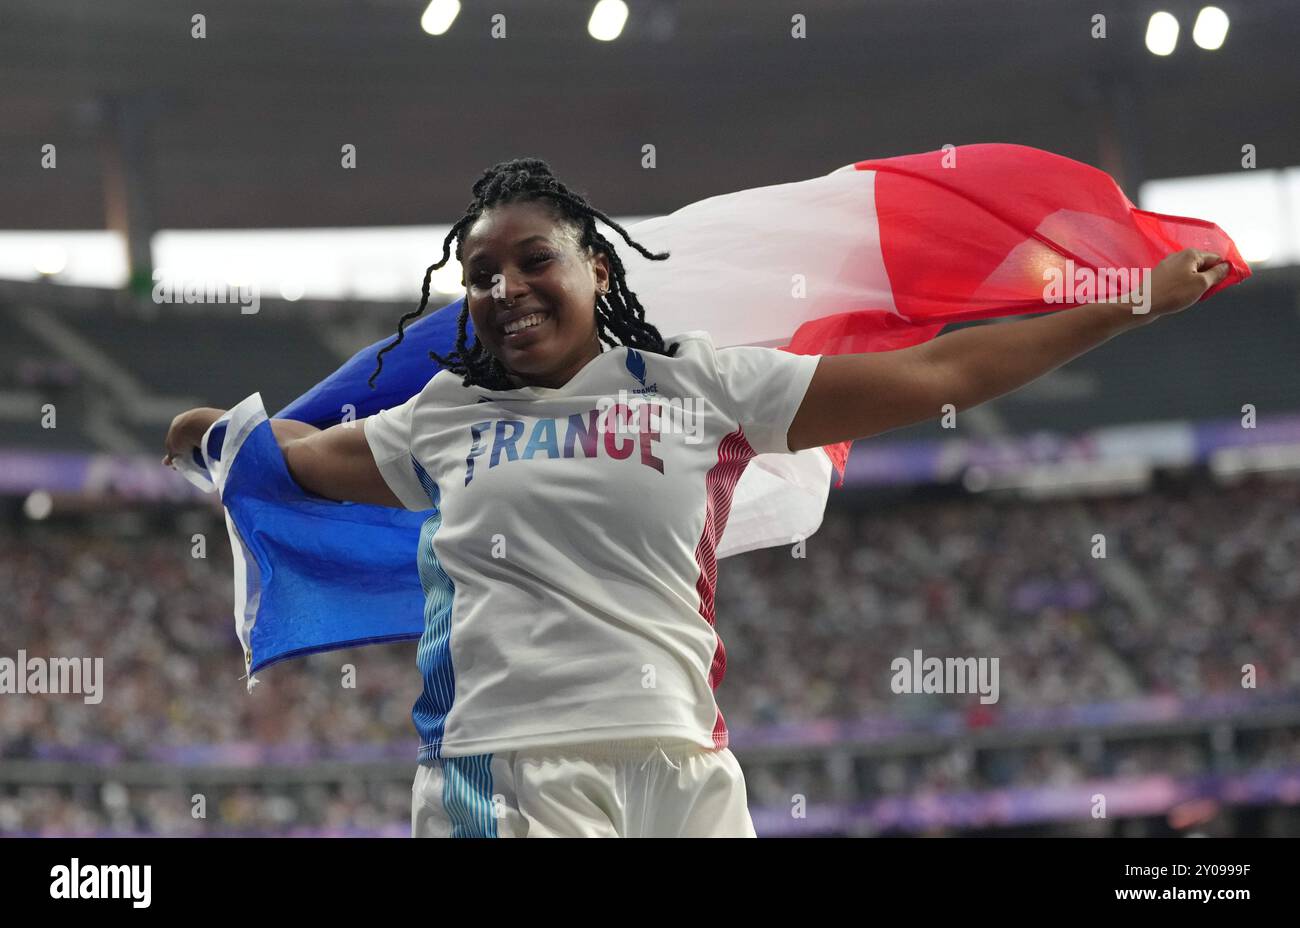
column 696, row 344
column 694, row 335
column 443, row 389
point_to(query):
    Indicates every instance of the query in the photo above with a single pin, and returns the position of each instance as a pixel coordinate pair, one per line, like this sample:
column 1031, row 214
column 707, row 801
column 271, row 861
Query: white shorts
column 625, row 789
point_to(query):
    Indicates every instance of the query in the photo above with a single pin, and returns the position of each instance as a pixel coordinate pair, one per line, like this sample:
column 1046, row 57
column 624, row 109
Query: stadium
column 1121, row 537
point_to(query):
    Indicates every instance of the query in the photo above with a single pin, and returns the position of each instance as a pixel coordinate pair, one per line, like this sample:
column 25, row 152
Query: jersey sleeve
column 389, row 435
column 762, row 389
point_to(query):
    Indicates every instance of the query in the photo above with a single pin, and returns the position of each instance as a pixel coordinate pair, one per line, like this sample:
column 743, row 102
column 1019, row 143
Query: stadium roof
column 244, row 127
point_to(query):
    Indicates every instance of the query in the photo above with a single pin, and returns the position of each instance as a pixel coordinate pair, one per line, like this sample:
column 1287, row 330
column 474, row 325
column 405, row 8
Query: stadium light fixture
column 607, row 20
column 1162, row 33
column 1211, row 28
column 439, row 15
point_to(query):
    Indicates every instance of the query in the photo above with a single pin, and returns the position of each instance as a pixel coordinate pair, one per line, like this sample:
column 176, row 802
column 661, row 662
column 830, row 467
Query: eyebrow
column 523, row 241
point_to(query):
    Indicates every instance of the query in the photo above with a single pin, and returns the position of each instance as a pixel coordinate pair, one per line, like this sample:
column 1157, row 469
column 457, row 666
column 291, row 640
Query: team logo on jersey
column 636, row 367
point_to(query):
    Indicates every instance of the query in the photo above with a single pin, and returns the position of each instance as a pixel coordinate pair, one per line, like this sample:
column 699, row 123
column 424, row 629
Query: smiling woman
column 543, row 287
column 565, row 573
column 578, row 696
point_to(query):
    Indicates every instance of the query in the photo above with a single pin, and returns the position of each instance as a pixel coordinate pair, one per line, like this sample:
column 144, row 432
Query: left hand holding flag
column 1182, row 279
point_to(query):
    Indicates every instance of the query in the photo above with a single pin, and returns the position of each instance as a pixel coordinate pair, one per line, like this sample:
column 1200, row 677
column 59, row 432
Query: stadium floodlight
column 1162, row 33
column 607, row 20
column 1211, row 28
column 439, row 15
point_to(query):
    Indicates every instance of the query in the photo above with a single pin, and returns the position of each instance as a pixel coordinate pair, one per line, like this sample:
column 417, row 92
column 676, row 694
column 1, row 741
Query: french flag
column 874, row 256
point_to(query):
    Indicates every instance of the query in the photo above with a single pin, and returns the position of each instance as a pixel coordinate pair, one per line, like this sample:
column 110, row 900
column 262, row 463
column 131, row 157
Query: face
column 545, row 275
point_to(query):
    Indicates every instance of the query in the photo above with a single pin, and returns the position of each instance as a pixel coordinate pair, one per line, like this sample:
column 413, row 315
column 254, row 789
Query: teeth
column 524, row 323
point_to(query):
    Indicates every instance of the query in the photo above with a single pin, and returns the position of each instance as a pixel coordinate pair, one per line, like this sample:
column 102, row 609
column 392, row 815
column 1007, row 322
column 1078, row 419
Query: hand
column 1181, row 279
column 187, row 430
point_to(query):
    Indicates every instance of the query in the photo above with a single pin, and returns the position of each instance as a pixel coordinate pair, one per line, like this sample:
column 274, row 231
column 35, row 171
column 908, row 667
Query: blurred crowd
column 341, row 808
column 162, row 621
column 1197, row 582
column 1194, row 585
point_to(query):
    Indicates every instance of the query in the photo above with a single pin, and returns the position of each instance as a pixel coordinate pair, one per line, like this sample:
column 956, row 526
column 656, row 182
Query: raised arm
column 860, row 395
column 335, row 463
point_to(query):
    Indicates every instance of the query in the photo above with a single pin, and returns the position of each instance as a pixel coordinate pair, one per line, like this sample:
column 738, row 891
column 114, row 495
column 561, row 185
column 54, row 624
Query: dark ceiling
column 244, row 127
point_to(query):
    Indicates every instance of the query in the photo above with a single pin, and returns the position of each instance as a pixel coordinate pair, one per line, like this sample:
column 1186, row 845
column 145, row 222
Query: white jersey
column 570, row 566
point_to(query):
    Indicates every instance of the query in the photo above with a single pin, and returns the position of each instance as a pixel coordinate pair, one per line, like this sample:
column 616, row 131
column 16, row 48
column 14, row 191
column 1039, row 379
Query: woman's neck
column 553, row 380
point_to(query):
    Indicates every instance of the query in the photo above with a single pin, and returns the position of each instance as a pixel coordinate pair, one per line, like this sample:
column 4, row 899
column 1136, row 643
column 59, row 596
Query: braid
column 620, row 317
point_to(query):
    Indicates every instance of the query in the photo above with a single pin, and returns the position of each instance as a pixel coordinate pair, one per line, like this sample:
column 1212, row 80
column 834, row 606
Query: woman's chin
column 533, row 358
column 531, row 361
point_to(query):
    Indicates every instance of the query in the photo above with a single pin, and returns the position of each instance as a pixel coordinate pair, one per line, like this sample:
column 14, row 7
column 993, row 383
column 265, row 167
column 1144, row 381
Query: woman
column 581, row 469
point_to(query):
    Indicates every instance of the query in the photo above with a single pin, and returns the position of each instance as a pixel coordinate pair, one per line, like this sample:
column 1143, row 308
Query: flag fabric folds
column 874, row 256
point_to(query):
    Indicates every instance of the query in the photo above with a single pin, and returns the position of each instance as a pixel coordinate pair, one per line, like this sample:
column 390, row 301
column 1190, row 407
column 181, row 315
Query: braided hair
column 620, row 318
